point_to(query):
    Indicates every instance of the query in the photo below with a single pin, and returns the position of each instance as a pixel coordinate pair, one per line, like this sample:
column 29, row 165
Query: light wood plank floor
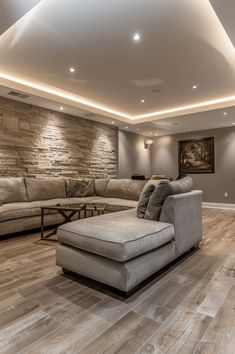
column 189, row 308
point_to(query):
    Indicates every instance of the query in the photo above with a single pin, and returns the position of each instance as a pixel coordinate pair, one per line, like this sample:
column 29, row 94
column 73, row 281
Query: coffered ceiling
column 129, row 61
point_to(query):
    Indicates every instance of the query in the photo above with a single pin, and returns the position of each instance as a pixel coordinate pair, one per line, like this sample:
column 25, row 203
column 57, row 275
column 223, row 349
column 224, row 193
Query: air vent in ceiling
column 18, row 94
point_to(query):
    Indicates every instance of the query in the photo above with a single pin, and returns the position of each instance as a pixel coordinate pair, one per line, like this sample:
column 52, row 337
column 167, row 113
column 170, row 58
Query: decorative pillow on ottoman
column 143, row 201
column 164, row 190
column 80, row 187
column 145, row 196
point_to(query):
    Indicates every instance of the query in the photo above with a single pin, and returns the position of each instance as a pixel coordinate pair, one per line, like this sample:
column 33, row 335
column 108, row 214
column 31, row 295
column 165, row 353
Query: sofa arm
column 184, row 211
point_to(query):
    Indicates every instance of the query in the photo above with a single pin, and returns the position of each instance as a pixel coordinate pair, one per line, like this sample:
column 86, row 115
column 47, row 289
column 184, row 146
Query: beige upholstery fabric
column 124, row 188
column 119, row 236
column 100, row 186
column 12, row 190
column 116, row 204
column 13, row 211
column 80, row 187
column 45, row 188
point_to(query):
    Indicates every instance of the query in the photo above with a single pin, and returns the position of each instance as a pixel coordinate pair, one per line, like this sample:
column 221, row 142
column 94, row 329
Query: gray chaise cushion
column 119, row 236
column 45, row 188
column 100, row 186
column 80, row 187
column 124, row 188
column 165, row 189
column 12, row 190
column 143, row 201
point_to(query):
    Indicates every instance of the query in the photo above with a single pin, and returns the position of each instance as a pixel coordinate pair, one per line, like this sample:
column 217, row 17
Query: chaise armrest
column 184, row 211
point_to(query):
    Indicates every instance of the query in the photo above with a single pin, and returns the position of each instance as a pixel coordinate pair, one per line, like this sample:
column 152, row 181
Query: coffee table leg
column 42, row 223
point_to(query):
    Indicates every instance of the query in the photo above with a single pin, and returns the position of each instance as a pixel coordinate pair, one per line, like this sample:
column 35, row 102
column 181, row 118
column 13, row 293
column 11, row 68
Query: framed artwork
column 196, row 156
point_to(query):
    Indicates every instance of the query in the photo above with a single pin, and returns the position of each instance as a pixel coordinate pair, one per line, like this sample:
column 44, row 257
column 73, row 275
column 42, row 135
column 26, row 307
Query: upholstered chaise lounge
column 122, row 250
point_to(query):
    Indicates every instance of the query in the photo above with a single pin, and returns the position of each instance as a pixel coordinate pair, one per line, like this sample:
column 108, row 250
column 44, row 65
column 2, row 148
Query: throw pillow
column 80, row 187
column 143, row 201
column 164, row 190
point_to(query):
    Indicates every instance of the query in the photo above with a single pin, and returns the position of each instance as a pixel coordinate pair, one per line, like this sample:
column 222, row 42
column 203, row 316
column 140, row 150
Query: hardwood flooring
column 189, row 308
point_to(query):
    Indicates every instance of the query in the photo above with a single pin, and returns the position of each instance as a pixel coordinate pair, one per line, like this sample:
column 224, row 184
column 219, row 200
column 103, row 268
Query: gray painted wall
column 132, row 156
column 165, row 160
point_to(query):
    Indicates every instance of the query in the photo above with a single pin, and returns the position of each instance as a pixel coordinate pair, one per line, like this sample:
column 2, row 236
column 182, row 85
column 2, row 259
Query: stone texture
column 38, row 142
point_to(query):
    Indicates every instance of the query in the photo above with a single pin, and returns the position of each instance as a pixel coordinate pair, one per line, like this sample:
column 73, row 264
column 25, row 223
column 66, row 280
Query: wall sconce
column 148, row 143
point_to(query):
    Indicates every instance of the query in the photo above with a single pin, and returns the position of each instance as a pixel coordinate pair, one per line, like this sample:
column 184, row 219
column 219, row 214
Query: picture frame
column 196, row 156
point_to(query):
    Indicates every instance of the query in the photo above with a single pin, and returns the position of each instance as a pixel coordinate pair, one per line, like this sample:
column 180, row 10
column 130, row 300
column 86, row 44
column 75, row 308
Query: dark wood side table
column 67, row 211
column 92, row 209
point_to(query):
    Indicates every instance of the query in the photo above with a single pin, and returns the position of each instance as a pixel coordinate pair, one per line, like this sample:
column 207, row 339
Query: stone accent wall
column 38, row 142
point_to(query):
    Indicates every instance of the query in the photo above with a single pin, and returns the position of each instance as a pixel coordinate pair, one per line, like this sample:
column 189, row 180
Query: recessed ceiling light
column 113, row 122
column 142, row 101
column 233, row 123
column 136, row 37
column 194, row 87
column 225, row 113
column 72, row 70
column 61, row 108
column 126, row 127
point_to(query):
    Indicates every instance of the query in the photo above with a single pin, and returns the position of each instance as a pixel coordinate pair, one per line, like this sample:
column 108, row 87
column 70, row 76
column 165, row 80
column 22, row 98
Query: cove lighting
column 91, row 104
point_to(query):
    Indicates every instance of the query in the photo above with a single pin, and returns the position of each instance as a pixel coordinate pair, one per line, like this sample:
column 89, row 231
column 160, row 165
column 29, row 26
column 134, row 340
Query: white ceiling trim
column 83, row 103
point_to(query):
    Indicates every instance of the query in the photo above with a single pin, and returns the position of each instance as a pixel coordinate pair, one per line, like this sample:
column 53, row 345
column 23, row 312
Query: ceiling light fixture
column 195, row 87
column 72, row 70
column 136, row 37
column 61, row 108
column 225, row 113
column 142, row 101
column 233, row 123
column 113, row 122
column 126, row 127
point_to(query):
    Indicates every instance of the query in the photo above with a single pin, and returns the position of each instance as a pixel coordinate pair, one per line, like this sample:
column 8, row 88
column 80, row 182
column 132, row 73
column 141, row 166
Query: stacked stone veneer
column 38, row 142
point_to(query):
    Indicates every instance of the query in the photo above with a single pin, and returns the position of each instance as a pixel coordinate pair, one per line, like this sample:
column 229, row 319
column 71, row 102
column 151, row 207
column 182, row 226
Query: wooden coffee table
column 67, row 211
column 92, row 209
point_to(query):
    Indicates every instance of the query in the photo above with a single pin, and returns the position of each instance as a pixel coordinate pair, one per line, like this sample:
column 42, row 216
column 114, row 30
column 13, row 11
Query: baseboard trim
column 219, row 206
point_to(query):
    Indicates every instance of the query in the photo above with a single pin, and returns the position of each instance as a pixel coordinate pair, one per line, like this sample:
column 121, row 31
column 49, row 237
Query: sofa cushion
column 116, row 204
column 143, row 201
column 12, row 190
column 164, row 190
column 100, row 186
column 20, row 210
column 80, row 187
column 124, row 188
column 119, row 236
column 45, row 188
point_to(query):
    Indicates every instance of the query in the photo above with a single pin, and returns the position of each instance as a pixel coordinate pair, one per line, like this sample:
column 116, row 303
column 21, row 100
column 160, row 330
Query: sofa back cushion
column 80, row 187
column 12, row 190
column 124, row 189
column 45, row 188
column 100, row 186
column 164, row 190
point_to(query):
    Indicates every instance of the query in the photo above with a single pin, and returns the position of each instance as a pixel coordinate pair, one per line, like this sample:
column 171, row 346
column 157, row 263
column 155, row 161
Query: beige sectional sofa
column 22, row 197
